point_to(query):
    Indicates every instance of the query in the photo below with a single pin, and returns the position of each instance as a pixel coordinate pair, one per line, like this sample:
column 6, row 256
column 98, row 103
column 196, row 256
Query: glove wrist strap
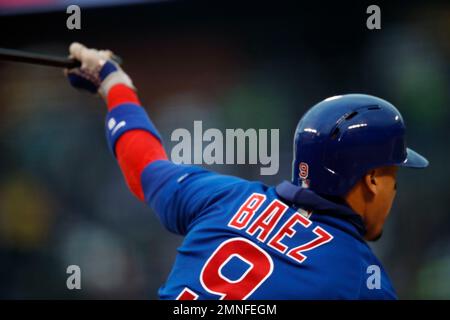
column 110, row 75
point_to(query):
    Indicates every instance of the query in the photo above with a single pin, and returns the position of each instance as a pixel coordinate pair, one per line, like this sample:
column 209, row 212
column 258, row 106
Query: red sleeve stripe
column 120, row 94
column 135, row 150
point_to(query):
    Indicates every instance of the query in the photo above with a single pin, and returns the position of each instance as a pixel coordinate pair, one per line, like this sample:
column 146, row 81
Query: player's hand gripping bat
column 86, row 68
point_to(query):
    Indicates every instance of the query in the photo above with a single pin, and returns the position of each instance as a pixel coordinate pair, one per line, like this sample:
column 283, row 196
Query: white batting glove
column 98, row 72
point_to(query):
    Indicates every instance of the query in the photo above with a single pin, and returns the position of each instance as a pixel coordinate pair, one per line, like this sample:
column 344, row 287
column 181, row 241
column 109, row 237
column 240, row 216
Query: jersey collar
column 309, row 200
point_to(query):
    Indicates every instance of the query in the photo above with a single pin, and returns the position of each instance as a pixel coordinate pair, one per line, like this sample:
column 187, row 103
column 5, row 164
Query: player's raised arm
column 177, row 193
column 131, row 135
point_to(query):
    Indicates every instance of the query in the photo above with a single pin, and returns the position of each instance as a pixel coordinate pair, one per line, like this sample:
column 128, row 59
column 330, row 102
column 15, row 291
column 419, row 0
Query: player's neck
column 356, row 199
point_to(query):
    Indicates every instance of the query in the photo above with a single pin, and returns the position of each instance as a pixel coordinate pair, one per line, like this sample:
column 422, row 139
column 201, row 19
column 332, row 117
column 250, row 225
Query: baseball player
column 303, row 239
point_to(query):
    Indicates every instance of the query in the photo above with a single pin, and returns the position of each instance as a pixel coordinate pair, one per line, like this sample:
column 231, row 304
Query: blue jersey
column 246, row 240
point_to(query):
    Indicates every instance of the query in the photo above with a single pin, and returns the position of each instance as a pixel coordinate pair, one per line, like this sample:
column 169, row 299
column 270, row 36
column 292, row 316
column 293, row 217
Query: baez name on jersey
column 266, row 227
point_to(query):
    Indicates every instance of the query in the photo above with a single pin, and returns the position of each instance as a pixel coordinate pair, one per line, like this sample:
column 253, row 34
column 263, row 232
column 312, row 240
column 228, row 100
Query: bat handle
column 73, row 63
column 43, row 59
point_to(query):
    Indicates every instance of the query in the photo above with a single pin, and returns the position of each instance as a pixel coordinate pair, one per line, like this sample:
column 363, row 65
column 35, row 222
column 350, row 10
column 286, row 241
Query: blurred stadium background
column 62, row 197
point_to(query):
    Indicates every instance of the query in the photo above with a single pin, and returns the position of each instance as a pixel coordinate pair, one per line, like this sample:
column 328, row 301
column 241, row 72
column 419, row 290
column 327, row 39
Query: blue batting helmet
column 341, row 138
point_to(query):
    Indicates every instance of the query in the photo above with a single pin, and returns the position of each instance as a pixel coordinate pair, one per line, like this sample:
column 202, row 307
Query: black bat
column 42, row 59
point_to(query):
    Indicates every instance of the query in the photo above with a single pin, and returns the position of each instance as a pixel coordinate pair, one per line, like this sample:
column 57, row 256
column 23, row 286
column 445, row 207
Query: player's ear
column 370, row 182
